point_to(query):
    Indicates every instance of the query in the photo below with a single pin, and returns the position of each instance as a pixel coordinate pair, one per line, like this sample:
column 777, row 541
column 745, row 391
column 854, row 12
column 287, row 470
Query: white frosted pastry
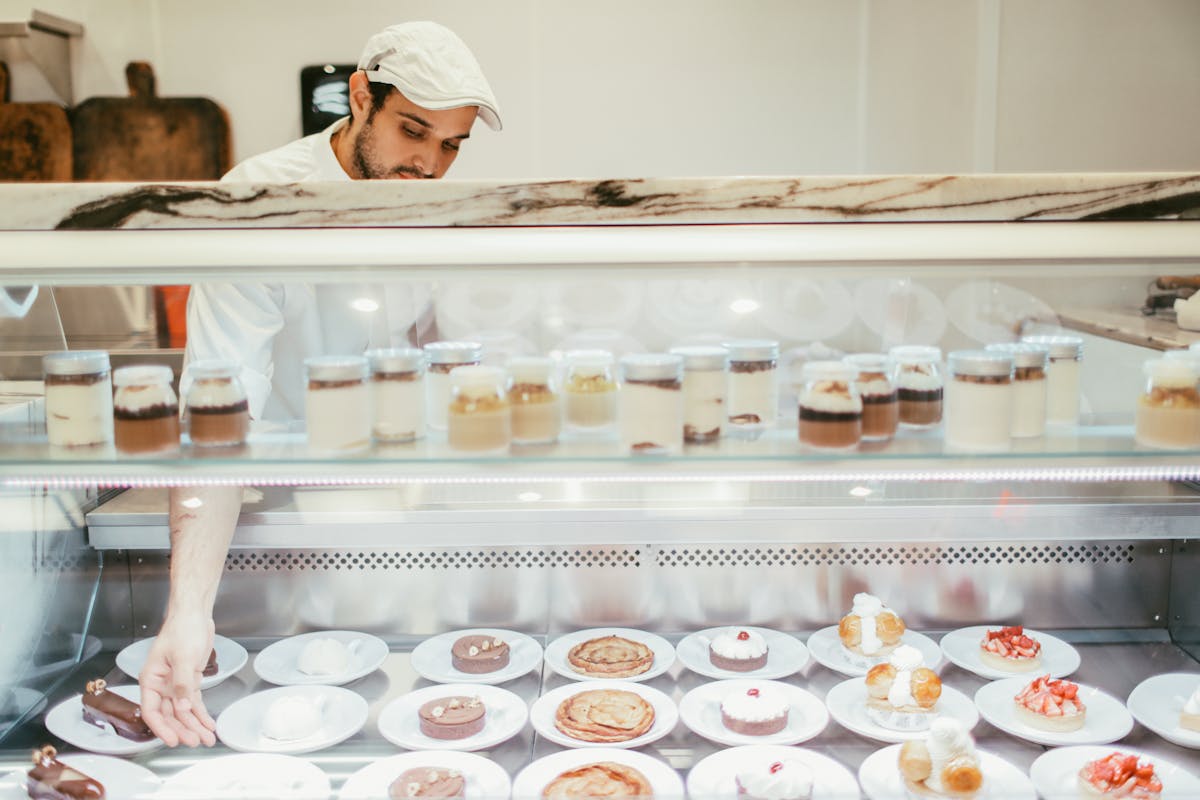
column 943, row 764
column 1189, row 718
column 870, row 631
column 759, row 711
column 324, row 657
column 788, row 779
column 291, row 718
column 906, row 659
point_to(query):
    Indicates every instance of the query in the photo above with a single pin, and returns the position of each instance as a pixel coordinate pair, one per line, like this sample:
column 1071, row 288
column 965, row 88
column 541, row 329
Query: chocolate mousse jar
column 753, row 388
column 79, row 398
column 831, row 410
column 337, row 405
column 1168, row 413
column 535, row 401
column 652, row 403
column 397, row 394
column 442, row 358
column 590, row 392
column 917, row 375
column 145, row 410
column 216, row 411
column 979, row 400
column 1062, row 376
column 479, row 418
column 881, row 404
column 705, row 378
column 1029, row 386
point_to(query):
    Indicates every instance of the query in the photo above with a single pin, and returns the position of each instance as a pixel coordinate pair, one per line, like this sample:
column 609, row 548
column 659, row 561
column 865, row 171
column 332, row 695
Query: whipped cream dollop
column 948, row 740
column 781, row 780
column 324, row 657
column 867, row 607
column 291, row 718
column 755, row 704
column 1192, row 706
column 729, row 644
column 906, row 659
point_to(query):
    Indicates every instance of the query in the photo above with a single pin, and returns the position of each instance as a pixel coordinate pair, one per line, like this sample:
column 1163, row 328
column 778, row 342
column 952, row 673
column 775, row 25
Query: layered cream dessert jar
column 881, row 404
column 1062, row 376
column 831, row 409
column 979, row 400
column 537, row 407
column 79, row 398
column 338, row 403
column 652, row 403
column 590, row 391
column 216, row 411
column 917, row 374
column 1029, row 386
column 479, row 419
column 704, row 387
column 397, row 394
column 753, row 387
column 1168, row 414
column 442, row 358
column 145, row 410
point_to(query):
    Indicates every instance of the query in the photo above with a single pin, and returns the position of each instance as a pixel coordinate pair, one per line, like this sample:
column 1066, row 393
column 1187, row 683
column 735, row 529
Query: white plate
column 826, row 648
column 248, row 775
column 506, row 716
column 65, row 721
column 961, row 648
column 1156, row 703
column 786, row 655
column 1107, row 719
column 231, row 657
column 343, row 713
column 542, row 713
column 664, row 780
column 847, row 704
column 556, row 652
column 485, row 779
column 715, row 776
column 700, row 710
column 1055, row 773
column 431, row 658
column 120, row 778
column 277, row 663
column 880, row 777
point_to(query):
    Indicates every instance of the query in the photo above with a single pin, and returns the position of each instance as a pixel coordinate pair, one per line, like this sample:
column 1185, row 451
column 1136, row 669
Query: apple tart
column 604, row 715
column 602, row 779
column 610, row 657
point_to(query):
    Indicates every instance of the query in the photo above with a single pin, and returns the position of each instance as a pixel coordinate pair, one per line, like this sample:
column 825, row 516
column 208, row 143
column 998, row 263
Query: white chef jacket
column 270, row 328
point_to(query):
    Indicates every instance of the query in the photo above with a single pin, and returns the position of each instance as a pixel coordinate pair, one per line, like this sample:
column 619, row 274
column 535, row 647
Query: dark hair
column 380, row 92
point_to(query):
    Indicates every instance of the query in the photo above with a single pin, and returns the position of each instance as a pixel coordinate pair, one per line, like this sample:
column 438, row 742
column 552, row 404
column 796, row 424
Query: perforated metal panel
column 528, row 558
column 925, row 555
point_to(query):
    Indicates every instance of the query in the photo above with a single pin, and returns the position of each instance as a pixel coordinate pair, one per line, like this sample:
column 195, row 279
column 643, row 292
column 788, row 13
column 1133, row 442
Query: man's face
column 403, row 140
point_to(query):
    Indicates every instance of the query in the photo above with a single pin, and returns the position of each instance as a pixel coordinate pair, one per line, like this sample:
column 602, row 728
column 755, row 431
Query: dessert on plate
column 1051, row 705
column 757, row 711
column 871, row 631
column 602, row 779
column 211, row 667
column 610, row 657
column 780, row 780
column 943, row 764
column 902, row 692
column 291, row 718
column 476, row 654
column 1189, row 717
column 738, row 650
column 1119, row 775
column 1011, row 650
column 436, row 782
column 603, row 715
column 452, row 717
column 324, row 657
column 51, row 779
column 101, row 707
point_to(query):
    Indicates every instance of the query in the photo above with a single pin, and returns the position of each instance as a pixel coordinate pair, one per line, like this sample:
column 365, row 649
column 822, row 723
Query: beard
column 366, row 157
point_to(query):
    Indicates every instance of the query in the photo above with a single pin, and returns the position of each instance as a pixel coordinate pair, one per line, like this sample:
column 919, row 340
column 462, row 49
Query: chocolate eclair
column 50, row 779
column 211, row 668
column 100, row 706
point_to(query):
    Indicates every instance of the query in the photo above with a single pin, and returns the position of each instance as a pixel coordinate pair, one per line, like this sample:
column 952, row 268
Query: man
column 413, row 102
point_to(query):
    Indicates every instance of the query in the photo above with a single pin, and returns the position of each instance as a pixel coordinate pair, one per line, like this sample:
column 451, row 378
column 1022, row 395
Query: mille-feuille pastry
column 788, row 779
column 604, row 715
column 1011, row 650
column 943, row 764
column 211, row 667
column 902, row 693
column 610, row 657
column 1189, row 717
column 452, row 717
column 602, row 779
column 738, row 650
column 1119, row 775
column 477, row 655
column 757, row 711
column 101, row 707
column 1051, row 705
column 436, row 782
column 51, row 779
column 870, row 632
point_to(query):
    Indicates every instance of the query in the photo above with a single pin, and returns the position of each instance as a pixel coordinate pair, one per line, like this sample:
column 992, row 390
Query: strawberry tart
column 1011, row 650
column 1119, row 775
column 1051, row 705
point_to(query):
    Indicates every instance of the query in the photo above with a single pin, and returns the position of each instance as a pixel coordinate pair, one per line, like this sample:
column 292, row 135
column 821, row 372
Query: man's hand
column 170, row 682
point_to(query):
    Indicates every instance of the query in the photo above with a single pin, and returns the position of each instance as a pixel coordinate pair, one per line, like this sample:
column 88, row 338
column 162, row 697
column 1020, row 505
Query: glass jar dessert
column 704, row 386
column 337, row 404
column 397, row 394
column 79, row 398
column 1062, row 376
column 145, row 410
column 831, row 410
column 880, row 402
column 917, row 374
column 478, row 418
column 1168, row 413
column 442, row 358
column 979, row 400
column 1029, row 386
column 216, row 411
column 753, row 388
column 652, row 403
column 536, row 404
column 590, row 391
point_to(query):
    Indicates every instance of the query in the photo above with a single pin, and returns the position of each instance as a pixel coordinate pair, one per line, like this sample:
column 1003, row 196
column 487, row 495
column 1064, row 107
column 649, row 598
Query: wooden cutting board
column 144, row 137
column 35, row 139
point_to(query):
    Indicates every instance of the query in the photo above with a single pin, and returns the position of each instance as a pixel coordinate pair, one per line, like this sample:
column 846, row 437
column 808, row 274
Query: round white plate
column 248, row 775
column 65, row 721
column 961, row 648
column 556, row 652
column 1107, row 719
column 1157, row 702
column 120, row 778
column 700, row 710
column 506, row 716
column 881, row 780
column 1055, row 773
column 542, row 713
column 664, row 780
column 431, row 658
column 343, row 713
column 847, row 704
column 827, row 649
column 786, row 655
column 231, row 657
column 277, row 663
column 715, row 776
column 485, row 779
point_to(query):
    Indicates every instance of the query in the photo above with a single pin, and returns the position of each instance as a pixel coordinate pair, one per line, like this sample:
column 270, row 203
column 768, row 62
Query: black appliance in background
column 324, row 95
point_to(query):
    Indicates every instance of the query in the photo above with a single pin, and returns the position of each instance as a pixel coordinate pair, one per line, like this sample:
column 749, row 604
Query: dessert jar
column 79, row 398
column 831, row 410
column 337, row 404
column 917, row 375
column 397, row 394
column 881, row 404
column 979, row 400
column 478, row 418
column 590, row 391
column 534, row 399
column 652, row 403
column 753, row 388
column 216, row 411
column 704, row 387
column 145, row 410
column 1168, row 413
column 1062, row 376
column 1029, row 386
column 442, row 358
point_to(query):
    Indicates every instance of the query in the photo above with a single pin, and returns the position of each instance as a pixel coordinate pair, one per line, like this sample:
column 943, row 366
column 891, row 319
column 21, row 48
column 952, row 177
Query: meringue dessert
column 780, row 780
column 758, row 711
column 738, row 650
column 1119, row 775
column 902, row 693
column 1189, row 718
column 291, row 718
column 1011, row 650
column 943, row 764
column 1051, row 705
column 871, row 631
column 324, row 657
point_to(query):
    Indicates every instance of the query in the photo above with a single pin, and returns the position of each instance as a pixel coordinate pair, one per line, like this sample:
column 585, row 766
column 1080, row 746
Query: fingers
column 188, row 718
column 187, row 736
column 153, row 715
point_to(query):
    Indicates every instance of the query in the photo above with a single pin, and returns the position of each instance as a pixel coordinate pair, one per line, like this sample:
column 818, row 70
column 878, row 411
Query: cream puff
column 1189, row 717
column 871, row 631
column 1010, row 650
column 943, row 764
column 1119, row 775
column 1051, row 705
column 902, row 693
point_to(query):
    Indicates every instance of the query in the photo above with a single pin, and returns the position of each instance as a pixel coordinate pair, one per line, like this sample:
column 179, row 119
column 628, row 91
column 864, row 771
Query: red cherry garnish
column 743, row 636
column 752, row 693
column 778, row 765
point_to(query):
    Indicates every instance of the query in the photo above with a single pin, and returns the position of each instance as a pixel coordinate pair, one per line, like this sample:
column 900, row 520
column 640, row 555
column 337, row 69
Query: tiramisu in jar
column 881, row 404
column 478, row 418
column 1029, row 386
column 536, row 403
column 145, row 410
column 590, row 391
column 443, row 357
column 831, row 410
column 704, row 387
column 652, row 403
column 79, row 398
column 1168, row 414
column 753, row 396
column 397, row 394
column 216, row 411
column 337, row 404
column 979, row 400
column 1062, row 376
column 917, row 374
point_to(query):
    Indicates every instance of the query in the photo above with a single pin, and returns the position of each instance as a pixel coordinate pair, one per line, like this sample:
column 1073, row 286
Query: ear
column 360, row 96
